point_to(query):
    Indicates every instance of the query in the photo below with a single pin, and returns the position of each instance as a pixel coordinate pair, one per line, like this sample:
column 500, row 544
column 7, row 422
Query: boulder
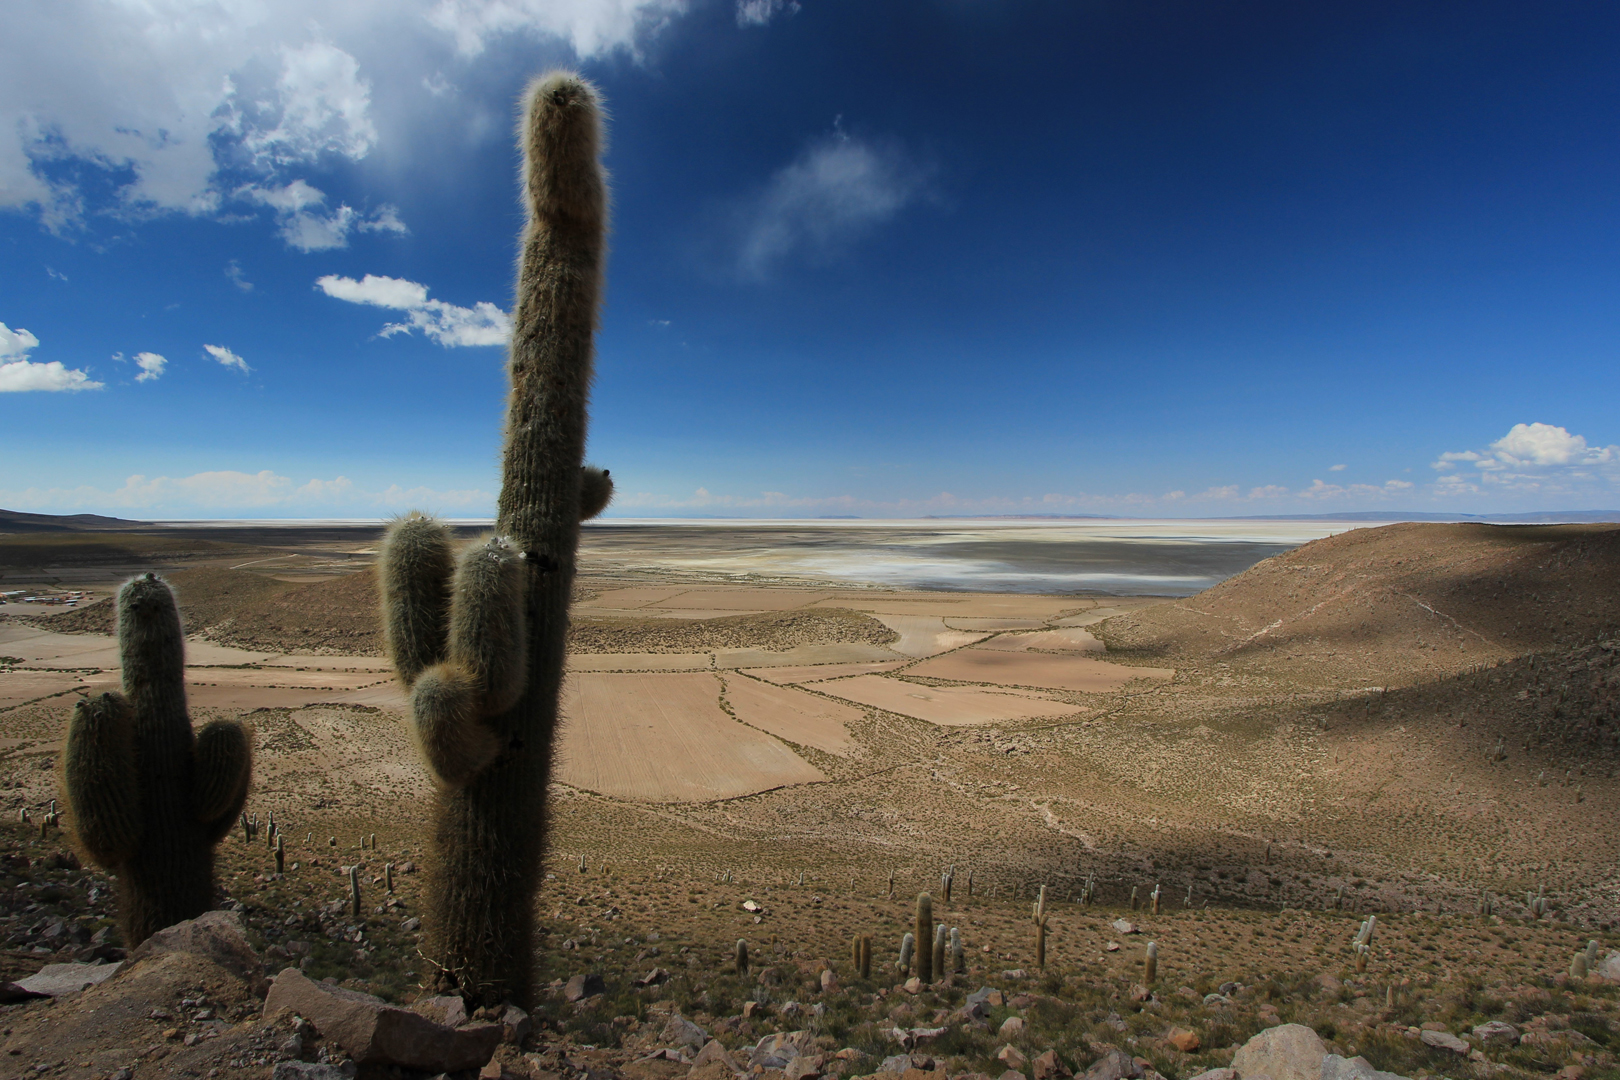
column 449, row 1010
column 1012, row 1057
column 987, row 996
column 1444, row 1040
column 1335, row 1067
column 898, row 1064
column 374, row 1032
column 805, row 1067
column 713, row 1052
column 1496, row 1033
column 679, row 1031
column 1216, row 1074
column 515, row 1025
column 1114, row 1065
column 1012, row 1027
column 829, row 981
column 1012, row 1074
column 776, row 1051
column 56, row 980
column 1123, row 926
column 1287, row 1052
column 1186, row 1041
column 216, row 935
column 1609, row 968
column 1047, row 1066
column 581, row 987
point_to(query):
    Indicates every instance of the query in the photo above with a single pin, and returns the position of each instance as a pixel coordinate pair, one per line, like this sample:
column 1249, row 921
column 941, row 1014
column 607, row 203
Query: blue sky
column 939, row 256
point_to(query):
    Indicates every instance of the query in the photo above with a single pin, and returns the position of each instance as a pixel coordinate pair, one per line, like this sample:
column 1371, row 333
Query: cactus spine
column 925, row 934
column 479, row 641
column 149, row 797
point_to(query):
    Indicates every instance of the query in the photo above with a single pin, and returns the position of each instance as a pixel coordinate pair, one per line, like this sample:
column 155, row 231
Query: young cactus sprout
column 1150, row 964
column 925, row 934
column 908, row 950
column 1133, row 898
column 479, row 640
column 1154, row 896
column 150, row 798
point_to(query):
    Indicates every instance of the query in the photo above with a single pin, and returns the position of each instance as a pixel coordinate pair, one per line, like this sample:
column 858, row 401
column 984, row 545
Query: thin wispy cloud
column 233, row 270
column 590, row 27
column 226, row 490
column 837, row 190
column 18, row 374
column 448, row 324
column 227, row 358
column 306, row 225
column 761, row 12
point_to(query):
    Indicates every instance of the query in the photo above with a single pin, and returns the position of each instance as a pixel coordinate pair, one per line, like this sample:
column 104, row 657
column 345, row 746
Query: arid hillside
column 1399, row 605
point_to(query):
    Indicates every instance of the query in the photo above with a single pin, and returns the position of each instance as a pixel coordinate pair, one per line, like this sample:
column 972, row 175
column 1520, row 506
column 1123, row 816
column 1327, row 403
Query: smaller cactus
column 925, row 934
column 941, row 940
column 1040, row 943
column 1150, row 964
column 908, row 950
column 281, row 857
column 1134, row 902
column 1363, row 952
column 742, row 957
column 1154, row 896
column 1364, row 935
column 1577, row 966
column 388, row 877
column 891, row 884
column 945, row 886
column 958, row 958
column 354, row 891
column 1592, row 954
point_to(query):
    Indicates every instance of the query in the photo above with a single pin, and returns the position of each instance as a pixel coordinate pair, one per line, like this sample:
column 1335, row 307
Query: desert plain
column 1420, row 722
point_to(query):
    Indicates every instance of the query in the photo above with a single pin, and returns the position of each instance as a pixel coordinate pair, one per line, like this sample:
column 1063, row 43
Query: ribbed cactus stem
column 481, row 646
column 1150, row 964
column 958, row 959
column 925, row 934
column 281, row 857
column 941, row 939
column 908, row 950
column 150, row 797
column 742, row 957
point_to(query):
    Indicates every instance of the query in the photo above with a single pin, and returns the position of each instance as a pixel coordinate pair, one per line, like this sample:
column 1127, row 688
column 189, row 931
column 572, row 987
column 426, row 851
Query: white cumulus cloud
column 1532, row 458
column 839, row 188
column 306, row 225
column 227, row 358
column 590, row 27
column 447, row 324
column 18, row 374
column 151, row 365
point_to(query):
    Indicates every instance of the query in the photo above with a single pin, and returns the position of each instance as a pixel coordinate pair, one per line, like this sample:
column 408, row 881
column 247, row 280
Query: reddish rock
column 1186, row 1041
column 1048, row 1066
column 1012, row 1057
column 374, row 1032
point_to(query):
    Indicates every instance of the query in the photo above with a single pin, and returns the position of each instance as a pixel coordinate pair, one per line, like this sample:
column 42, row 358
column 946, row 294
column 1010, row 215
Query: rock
column 216, row 935
column 515, row 1025
column 1328, row 984
column 913, row 985
column 1609, row 968
column 1012, row 1074
column 752, row 1009
column 1217, row 999
column 776, row 1051
column 1112, row 946
column 1216, row 1074
column 1288, row 1052
column 1048, row 1066
column 1015, row 973
column 411, row 925
column 1141, row 993
column 653, row 978
column 713, row 1052
column 448, row 1010
column 581, row 987
column 1012, row 1027
column 987, row 995
column 1012, row 1057
column 1182, row 1039
column 1335, row 1067
column 375, row 1032
column 898, row 1064
column 804, row 1067
column 1114, row 1065
column 1122, row 926
column 1496, row 1033
column 57, row 980
column 829, row 982
column 11, row 994
column 309, row 1070
column 679, row 1031
column 1444, row 1040
column 753, row 907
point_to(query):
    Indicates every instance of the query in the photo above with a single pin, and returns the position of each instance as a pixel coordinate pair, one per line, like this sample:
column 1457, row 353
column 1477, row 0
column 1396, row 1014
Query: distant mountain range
column 16, row 521
column 1545, row 517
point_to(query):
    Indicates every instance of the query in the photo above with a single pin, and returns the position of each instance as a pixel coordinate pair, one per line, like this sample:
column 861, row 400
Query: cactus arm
column 595, row 492
column 414, row 573
column 488, row 636
column 449, row 725
column 99, row 779
column 224, row 765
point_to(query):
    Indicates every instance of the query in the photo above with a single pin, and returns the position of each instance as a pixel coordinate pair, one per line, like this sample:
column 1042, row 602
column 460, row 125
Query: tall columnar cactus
column 149, row 798
column 479, row 640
